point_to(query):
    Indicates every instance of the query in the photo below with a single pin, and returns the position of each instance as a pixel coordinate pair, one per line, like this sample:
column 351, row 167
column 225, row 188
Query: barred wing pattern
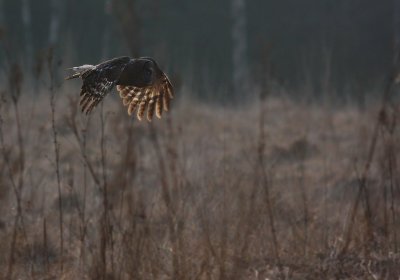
column 99, row 81
column 155, row 97
column 140, row 82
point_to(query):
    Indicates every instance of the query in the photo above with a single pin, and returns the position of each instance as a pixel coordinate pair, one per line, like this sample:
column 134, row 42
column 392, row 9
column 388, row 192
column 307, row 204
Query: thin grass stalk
column 15, row 84
column 245, row 227
column 207, row 236
column 14, row 235
column 21, row 153
column 266, row 185
column 249, row 220
column 304, row 202
column 392, row 167
column 45, row 245
column 127, row 162
column 7, row 163
column 57, row 154
column 166, row 195
column 81, row 138
column 74, row 127
column 386, row 170
column 83, row 214
column 325, row 232
column 177, row 177
column 385, row 211
column 390, row 125
column 11, row 261
column 366, row 169
column 106, row 227
column 223, row 238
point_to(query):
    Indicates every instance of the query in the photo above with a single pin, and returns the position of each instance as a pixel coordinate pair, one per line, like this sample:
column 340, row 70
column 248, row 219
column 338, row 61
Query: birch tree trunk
column 239, row 40
column 54, row 28
column 396, row 34
column 2, row 19
column 27, row 23
column 2, row 35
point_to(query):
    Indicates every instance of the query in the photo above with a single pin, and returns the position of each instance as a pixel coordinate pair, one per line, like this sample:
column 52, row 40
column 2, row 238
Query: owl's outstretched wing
column 98, row 81
column 155, row 97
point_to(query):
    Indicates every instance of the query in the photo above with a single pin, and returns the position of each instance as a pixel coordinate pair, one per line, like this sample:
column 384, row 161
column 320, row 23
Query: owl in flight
column 139, row 81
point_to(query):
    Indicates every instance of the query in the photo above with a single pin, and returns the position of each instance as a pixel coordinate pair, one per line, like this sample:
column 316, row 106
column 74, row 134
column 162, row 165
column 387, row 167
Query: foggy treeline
column 350, row 41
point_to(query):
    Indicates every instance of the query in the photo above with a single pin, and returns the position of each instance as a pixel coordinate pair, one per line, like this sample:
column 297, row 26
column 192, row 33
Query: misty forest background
column 350, row 43
column 279, row 158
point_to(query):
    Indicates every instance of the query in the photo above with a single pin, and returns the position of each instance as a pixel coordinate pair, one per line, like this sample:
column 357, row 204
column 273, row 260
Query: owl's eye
column 147, row 74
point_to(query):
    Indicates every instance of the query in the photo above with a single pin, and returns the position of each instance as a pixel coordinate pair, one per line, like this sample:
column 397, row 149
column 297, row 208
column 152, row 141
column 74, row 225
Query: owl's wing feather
column 99, row 81
column 155, row 98
column 138, row 91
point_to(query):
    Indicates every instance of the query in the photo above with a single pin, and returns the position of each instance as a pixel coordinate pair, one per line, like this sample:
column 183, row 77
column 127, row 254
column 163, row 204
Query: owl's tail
column 80, row 71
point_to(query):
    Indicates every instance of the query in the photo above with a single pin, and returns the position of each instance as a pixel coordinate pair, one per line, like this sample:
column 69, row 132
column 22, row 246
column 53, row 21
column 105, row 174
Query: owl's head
column 140, row 72
column 150, row 73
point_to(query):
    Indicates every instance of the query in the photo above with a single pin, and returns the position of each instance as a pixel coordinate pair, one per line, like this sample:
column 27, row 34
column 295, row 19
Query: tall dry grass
column 271, row 189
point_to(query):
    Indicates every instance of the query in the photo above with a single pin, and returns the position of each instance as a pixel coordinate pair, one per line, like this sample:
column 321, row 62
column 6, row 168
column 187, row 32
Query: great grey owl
column 139, row 81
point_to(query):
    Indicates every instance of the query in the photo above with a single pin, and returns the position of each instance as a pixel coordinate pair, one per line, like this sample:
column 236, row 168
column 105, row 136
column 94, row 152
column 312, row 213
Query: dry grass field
column 271, row 189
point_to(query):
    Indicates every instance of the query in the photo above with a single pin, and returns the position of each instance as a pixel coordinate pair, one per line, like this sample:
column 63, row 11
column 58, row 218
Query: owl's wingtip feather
column 150, row 100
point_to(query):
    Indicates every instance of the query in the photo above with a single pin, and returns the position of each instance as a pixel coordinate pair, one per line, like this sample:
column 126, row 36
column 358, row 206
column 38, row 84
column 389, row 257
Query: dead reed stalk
column 52, row 89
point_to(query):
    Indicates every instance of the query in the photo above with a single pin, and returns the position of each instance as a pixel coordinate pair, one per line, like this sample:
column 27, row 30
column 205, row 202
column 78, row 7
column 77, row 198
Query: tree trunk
column 107, row 31
column 2, row 19
column 27, row 23
column 396, row 33
column 239, row 40
column 54, row 22
column 128, row 21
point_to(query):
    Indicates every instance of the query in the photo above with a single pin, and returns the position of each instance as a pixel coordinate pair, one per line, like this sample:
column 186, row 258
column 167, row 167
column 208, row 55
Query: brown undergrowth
column 266, row 190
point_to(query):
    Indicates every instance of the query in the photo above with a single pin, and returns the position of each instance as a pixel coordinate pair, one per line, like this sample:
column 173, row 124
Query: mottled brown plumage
column 140, row 83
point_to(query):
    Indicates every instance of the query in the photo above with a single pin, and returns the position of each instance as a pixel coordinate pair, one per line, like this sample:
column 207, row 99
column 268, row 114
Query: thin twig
column 56, row 153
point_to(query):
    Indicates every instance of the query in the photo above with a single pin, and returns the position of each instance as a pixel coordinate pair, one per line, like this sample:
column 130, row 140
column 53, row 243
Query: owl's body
column 140, row 82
